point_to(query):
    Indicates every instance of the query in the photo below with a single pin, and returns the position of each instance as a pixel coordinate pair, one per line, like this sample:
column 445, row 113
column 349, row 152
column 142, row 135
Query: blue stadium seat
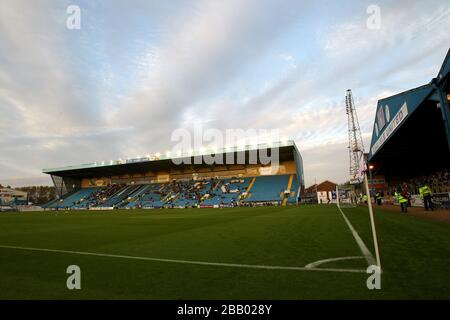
column 131, row 200
column 268, row 188
column 71, row 200
column 226, row 198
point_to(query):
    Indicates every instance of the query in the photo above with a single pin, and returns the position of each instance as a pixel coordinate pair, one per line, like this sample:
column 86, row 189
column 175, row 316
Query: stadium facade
column 242, row 177
column 411, row 136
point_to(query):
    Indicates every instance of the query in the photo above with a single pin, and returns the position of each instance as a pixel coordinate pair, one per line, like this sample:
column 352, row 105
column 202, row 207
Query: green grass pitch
column 415, row 254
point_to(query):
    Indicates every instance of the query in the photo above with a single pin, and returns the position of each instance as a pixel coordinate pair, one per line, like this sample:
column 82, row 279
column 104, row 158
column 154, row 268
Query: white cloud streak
column 138, row 71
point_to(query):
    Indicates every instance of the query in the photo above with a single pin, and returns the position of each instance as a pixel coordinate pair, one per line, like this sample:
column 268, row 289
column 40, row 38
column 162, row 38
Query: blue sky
column 138, row 70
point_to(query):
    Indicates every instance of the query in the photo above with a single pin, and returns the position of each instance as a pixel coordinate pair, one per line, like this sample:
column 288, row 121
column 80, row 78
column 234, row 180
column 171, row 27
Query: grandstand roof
column 445, row 68
column 393, row 112
column 410, row 131
column 287, row 150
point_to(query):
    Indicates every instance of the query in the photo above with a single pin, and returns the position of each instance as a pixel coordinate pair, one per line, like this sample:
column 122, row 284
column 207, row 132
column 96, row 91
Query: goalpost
column 346, row 196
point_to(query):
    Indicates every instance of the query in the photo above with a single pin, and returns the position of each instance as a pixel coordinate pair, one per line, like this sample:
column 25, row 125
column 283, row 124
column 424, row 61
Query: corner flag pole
column 372, row 221
column 337, row 196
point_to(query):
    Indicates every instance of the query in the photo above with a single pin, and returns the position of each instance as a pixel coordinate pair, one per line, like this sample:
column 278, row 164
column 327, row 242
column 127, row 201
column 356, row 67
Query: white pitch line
column 365, row 251
column 319, row 262
column 204, row 263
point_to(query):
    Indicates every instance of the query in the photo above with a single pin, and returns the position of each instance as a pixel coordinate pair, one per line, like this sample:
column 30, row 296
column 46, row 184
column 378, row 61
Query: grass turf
column 415, row 254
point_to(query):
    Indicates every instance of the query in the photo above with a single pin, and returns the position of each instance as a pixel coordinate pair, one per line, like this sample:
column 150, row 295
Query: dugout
column 411, row 131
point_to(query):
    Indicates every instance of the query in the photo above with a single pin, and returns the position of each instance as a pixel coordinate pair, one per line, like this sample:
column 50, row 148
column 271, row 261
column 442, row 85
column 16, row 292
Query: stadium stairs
column 133, row 199
column 249, row 188
column 288, row 188
column 120, row 196
column 292, row 199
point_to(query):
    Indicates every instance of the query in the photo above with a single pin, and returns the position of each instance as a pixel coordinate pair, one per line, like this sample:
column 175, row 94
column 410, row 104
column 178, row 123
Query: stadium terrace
column 189, row 180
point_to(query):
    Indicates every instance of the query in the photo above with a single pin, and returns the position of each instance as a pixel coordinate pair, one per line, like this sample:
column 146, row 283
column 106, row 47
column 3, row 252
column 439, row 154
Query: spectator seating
column 268, row 188
column 227, row 191
column 438, row 182
column 119, row 196
column 184, row 193
column 151, row 198
column 73, row 198
column 133, row 199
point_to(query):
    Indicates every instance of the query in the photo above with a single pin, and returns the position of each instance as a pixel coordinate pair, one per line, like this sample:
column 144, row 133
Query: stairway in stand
column 289, row 185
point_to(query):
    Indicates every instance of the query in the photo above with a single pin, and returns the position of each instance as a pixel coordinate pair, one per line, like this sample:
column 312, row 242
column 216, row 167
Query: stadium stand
column 410, row 142
column 157, row 183
column 176, row 194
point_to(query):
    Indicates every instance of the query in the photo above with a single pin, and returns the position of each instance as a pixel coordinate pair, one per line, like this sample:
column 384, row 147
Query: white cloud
column 140, row 70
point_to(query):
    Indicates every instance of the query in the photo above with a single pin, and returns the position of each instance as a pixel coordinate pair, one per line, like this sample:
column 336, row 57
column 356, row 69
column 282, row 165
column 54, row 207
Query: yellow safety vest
column 425, row 191
column 400, row 198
